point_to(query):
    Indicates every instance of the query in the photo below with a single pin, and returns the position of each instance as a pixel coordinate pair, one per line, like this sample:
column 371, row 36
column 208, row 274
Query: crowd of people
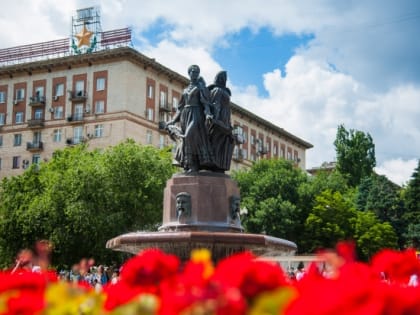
column 95, row 276
column 85, row 271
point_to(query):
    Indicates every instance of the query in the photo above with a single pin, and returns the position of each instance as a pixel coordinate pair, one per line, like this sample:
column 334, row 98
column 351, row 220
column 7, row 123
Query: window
column 57, row 135
column 150, row 91
column 100, row 84
column 77, row 134
column 245, row 154
column 275, row 150
column 149, row 137
column 99, row 107
column 16, row 162
column 58, row 112
column 37, row 137
column 2, row 97
column 36, row 159
column 39, row 91
column 1, row 140
column 238, row 134
column 99, row 131
column 252, row 139
column 19, row 118
column 282, row 152
column 174, row 102
column 289, row 155
column 0, row 164
column 80, row 88
column 17, row 139
column 245, row 136
column 78, row 112
column 149, row 113
column 20, row 94
column 161, row 141
column 163, row 99
column 59, row 89
column 39, row 113
column 2, row 119
column 164, row 116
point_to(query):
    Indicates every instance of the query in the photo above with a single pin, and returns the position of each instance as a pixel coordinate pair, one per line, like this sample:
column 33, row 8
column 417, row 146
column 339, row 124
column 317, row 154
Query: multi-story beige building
column 103, row 98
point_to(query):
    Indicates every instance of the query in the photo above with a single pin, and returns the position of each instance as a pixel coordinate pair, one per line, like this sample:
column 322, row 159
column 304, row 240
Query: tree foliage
column 355, row 154
column 412, row 204
column 371, row 235
column 331, row 220
column 82, row 198
column 270, row 193
column 378, row 194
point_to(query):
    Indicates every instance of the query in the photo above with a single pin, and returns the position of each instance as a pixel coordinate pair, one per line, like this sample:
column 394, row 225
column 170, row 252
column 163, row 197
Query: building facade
column 103, row 98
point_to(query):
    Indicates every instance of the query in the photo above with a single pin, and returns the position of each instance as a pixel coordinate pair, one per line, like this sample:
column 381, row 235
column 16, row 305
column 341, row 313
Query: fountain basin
column 221, row 244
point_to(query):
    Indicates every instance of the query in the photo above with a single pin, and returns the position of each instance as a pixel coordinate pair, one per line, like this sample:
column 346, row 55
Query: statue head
column 183, row 204
column 235, row 207
column 220, row 78
column 194, row 72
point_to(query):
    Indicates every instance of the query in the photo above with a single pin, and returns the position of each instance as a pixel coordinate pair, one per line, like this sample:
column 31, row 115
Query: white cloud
column 397, row 170
column 371, row 43
column 180, row 58
column 311, row 99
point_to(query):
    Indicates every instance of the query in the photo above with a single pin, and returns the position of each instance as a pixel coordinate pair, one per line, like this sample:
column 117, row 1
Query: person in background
column 101, row 275
column 300, row 271
column 24, row 261
column 115, row 277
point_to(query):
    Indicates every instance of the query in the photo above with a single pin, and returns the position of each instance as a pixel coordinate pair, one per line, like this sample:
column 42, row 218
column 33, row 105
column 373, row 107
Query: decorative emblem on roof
column 84, row 37
column 86, row 27
column 86, row 41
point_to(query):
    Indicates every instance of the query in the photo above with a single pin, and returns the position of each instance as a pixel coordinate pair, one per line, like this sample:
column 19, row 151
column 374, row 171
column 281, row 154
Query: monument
column 201, row 205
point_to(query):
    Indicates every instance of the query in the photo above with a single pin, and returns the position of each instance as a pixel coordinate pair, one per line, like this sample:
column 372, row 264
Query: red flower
column 26, row 291
column 142, row 273
column 397, row 266
column 251, row 276
column 355, row 291
column 148, row 268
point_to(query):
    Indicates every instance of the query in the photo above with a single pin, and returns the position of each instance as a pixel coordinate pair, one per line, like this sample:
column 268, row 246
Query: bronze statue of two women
column 204, row 135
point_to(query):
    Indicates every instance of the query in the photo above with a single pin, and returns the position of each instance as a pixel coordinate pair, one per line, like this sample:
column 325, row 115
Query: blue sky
column 306, row 66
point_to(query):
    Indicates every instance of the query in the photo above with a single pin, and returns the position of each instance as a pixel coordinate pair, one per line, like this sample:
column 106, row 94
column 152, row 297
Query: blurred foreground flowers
column 157, row 283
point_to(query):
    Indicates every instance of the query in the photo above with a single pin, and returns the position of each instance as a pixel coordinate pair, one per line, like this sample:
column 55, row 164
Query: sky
column 304, row 65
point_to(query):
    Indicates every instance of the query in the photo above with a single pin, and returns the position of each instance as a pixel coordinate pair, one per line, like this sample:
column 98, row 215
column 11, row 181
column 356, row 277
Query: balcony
column 167, row 108
column 75, row 140
column 238, row 136
column 237, row 155
column 34, row 146
column 37, row 101
column 35, row 123
column 76, row 118
column 78, row 96
column 262, row 149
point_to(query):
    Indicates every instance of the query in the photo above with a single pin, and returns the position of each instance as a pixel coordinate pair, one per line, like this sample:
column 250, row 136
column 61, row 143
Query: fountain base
column 221, row 244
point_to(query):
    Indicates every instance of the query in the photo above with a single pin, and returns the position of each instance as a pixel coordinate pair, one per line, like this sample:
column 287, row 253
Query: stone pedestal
column 212, row 198
column 212, row 221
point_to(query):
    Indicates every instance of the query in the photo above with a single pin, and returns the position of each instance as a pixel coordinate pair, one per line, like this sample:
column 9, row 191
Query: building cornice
column 126, row 53
column 270, row 125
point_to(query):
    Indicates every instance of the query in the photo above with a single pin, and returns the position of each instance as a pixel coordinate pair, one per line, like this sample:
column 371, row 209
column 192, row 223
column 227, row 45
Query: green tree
column 355, row 154
column 411, row 217
column 331, row 220
column 371, row 235
column 75, row 199
column 270, row 193
column 378, row 194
